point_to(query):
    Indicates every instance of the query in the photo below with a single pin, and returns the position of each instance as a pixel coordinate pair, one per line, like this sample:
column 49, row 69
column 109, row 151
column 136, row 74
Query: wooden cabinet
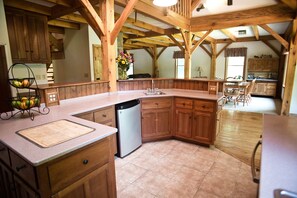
column 104, row 116
column 264, row 89
column 263, row 64
column 28, row 37
column 156, row 117
column 195, row 120
column 86, row 172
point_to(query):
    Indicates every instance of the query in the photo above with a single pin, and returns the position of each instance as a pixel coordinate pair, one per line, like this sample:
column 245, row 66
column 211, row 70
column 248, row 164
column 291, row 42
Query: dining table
column 241, row 86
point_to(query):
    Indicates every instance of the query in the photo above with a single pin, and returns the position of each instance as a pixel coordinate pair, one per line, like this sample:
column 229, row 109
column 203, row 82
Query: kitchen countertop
column 37, row 155
column 263, row 80
column 279, row 155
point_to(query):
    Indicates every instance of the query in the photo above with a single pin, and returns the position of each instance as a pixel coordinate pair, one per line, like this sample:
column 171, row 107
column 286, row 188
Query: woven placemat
column 53, row 133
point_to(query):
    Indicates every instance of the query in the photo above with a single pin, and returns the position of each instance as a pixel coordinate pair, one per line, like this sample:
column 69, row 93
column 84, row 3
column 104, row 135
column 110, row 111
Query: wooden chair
column 231, row 93
column 250, row 90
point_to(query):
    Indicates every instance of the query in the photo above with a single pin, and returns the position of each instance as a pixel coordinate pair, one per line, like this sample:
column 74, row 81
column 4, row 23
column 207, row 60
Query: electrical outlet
column 52, row 97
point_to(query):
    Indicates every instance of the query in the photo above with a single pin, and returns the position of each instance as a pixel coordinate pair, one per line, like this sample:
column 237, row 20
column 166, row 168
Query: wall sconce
column 164, row 3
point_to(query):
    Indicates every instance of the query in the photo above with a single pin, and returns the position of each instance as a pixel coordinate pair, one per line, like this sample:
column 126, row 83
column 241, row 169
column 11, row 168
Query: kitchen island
column 279, row 156
column 42, row 160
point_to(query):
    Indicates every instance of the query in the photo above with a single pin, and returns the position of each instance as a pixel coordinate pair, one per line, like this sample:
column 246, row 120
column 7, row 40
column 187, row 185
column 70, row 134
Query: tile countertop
column 37, row 155
column 279, row 155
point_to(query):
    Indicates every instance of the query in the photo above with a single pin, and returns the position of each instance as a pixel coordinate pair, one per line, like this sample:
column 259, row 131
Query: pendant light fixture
column 164, row 3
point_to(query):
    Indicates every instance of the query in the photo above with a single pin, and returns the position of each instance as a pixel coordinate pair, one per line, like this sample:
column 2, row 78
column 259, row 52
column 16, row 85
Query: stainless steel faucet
column 153, row 85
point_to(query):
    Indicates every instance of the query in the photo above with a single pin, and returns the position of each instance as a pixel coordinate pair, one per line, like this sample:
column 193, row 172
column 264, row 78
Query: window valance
column 178, row 54
column 233, row 52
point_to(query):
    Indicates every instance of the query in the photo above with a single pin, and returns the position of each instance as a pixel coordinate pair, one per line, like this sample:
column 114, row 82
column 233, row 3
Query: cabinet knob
column 156, row 103
column 104, row 115
column 18, row 168
column 203, row 106
column 85, row 161
column 184, row 104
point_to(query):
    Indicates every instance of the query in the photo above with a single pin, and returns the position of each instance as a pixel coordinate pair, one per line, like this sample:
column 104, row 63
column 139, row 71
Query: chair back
column 251, row 87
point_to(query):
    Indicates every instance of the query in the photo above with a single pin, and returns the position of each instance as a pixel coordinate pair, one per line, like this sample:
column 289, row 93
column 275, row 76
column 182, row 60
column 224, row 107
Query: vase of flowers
column 124, row 60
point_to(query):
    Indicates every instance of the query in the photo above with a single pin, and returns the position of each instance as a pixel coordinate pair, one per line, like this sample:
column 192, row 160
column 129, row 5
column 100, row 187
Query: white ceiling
column 220, row 6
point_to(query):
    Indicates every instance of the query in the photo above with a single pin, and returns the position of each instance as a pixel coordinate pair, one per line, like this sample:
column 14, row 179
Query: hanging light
column 164, row 3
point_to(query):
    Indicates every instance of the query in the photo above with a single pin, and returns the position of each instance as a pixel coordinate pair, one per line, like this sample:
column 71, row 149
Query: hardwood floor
column 239, row 133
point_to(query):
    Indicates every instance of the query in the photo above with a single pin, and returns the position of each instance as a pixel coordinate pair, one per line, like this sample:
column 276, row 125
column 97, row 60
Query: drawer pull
column 184, row 104
column 104, row 115
column 85, row 161
column 203, row 106
column 156, row 103
column 18, row 168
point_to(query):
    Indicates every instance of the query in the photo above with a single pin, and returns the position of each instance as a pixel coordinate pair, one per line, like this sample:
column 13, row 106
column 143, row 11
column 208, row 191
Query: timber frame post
column 290, row 74
column 213, row 60
column 188, row 55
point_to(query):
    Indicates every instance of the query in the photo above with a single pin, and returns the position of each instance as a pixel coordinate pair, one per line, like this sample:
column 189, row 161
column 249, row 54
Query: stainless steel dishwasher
column 129, row 127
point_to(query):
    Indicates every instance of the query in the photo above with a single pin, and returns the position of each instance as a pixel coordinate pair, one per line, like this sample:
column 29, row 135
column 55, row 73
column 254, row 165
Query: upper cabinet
column 263, row 64
column 28, row 37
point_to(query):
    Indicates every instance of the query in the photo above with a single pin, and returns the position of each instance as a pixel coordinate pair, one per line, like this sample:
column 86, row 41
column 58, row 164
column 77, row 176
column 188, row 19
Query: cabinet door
column 202, row 128
column 95, row 184
column 148, row 124
column 183, row 122
column 22, row 190
column 18, row 36
column 38, row 38
column 163, row 122
column 6, row 182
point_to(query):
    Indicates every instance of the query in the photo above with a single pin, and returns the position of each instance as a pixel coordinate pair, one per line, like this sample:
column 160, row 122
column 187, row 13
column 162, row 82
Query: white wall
column 76, row 65
column 142, row 62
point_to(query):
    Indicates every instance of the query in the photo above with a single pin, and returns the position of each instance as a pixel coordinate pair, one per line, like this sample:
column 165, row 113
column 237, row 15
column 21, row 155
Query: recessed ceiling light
column 241, row 32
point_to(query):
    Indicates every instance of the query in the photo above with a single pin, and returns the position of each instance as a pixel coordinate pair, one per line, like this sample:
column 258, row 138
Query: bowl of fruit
column 21, row 82
column 25, row 103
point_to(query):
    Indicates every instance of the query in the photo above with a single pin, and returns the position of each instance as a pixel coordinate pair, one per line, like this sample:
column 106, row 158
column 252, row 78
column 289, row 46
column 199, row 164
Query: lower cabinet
column 195, row 120
column 104, row 116
column 85, row 173
column 264, row 89
column 156, row 116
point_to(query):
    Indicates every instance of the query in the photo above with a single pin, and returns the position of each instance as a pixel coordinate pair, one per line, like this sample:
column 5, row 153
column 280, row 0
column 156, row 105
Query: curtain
column 178, row 54
column 233, row 52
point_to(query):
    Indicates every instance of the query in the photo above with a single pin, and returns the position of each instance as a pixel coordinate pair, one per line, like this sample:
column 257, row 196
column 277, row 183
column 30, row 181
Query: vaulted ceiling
column 151, row 26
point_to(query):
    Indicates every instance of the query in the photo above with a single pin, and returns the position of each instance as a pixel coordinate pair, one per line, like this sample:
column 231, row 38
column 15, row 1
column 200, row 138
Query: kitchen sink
column 155, row 93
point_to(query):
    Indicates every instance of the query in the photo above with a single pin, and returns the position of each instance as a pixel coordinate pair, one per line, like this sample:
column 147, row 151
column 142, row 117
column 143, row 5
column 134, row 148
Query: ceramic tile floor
column 176, row 169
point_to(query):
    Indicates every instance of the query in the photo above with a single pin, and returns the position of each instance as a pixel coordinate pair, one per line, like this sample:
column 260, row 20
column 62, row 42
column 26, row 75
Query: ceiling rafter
column 208, row 38
column 67, row 3
column 176, row 42
column 275, row 35
column 64, row 24
column 74, row 17
column 246, row 39
column 200, row 40
column 133, row 31
column 256, row 31
column 291, row 3
column 120, row 22
column 229, row 34
column 264, row 15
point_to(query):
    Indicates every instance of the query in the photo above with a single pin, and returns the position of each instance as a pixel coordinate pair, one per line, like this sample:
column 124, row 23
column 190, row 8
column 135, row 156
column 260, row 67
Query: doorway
column 97, row 61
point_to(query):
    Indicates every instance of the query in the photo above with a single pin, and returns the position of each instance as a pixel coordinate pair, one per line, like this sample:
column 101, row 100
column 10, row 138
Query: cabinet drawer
column 86, row 116
column 104, row 115
column 183, row 103
column 80, row 163
column 23, row 169
column 201, row 105
column 4, row 156
column 156, row 103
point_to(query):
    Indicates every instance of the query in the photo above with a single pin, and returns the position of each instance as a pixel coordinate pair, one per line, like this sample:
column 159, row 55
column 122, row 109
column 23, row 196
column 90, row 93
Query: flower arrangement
column 124, row 60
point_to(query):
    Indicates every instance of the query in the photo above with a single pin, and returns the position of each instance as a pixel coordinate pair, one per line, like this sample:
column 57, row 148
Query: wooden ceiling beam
column 151, row 41
column 64, row 24
column 143, row 25
column 200, row 40
column 208, row 38
column 120, row 22
column 146, row 7
column 67, row 3
column 161, row 51
column 28, row 6
column 194, row 4
column 56, row 29
column 246, row 39
column 133, row 31
column 227, row 44
column 229, row 34
column 264, row 15
column 291, row 3
column 256, row 31
column 275, row 35
column 272, row 47
column 74, row 17
column 176, row 42
column 206, row 50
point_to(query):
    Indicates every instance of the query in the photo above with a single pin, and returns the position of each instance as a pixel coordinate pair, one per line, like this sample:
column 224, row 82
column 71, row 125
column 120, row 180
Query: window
column 180, row 67
column 235, row 66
